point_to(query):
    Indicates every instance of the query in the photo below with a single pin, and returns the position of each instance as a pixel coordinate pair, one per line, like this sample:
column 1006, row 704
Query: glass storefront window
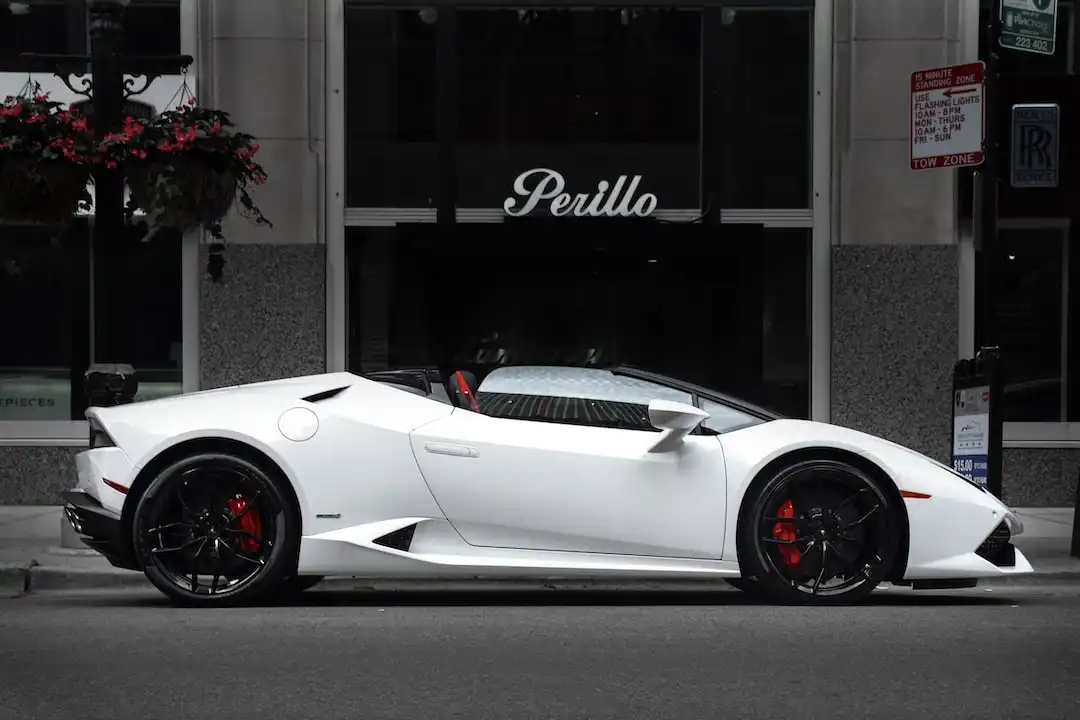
column 722, row 307
column 699, row 108
column 590, row 93
column 766, row 107
column 152, row 28
column 1027, row 289
column 55, row 27
column 1036, row 318
column 50, row 321
column 138, row 315
column 390, row 108
column 44, row 280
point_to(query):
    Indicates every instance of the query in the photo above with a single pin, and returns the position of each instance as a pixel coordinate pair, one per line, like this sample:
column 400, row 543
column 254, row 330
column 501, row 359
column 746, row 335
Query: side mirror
column 677, row 420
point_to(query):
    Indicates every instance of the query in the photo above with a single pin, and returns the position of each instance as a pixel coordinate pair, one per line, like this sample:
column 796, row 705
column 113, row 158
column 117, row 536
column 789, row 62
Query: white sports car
column 235, row 495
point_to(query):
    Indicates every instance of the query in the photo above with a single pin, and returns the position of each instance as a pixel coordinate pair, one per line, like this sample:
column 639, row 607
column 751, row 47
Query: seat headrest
column 462, row 389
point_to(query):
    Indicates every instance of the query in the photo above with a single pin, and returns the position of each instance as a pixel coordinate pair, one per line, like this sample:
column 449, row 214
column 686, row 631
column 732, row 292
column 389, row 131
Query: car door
column 543, row 484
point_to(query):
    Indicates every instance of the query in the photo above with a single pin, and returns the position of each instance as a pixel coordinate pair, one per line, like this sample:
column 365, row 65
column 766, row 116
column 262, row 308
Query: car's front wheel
column 819, row 532
column 216, row 529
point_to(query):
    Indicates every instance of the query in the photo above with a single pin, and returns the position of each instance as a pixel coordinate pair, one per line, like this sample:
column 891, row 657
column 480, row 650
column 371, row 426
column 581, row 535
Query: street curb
column 43, row 578
column 17, row 581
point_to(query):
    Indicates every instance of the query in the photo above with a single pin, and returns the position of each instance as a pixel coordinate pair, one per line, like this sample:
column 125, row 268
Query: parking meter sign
column 971, row 433
column 976, row 414
column 1029, row 25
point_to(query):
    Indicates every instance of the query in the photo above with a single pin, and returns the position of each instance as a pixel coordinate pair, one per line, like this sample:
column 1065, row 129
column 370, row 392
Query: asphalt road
column 1012, row 653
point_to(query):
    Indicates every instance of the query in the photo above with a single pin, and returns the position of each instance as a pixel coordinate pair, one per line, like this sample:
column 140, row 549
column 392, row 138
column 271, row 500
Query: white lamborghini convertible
column 236, row 495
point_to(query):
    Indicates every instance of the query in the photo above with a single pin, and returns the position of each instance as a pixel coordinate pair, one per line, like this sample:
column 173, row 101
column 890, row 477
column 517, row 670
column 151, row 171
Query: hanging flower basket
column 189, row 193
column 187, row 168
column 45, row 156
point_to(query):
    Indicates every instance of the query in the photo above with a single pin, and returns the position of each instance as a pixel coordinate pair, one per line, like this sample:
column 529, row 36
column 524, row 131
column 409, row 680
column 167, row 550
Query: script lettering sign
column 543, row 185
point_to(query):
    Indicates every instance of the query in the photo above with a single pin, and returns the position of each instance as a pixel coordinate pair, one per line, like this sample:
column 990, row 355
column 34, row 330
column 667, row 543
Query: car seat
column 462, row 394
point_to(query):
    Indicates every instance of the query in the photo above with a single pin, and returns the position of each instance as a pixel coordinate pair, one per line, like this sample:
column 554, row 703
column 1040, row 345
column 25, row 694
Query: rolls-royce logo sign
column 543, row 185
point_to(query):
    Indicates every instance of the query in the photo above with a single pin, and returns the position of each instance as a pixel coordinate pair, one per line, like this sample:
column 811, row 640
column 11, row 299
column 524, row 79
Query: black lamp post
column 106, row 25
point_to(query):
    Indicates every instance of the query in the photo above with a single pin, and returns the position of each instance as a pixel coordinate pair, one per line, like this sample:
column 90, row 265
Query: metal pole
column 988, row 177
column 1074, row 547
column 106, row 25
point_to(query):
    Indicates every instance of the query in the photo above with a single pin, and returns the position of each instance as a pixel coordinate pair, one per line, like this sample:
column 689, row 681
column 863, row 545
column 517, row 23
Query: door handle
column 451, row 449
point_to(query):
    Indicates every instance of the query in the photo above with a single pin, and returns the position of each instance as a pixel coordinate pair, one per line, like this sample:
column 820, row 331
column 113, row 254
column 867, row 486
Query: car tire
column 181, row 502
column 840, row 518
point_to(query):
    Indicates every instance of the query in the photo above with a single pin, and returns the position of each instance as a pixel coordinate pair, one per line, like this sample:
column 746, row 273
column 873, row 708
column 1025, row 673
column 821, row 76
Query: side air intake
column 325, row 394
column 399, row 539
column 997, row 548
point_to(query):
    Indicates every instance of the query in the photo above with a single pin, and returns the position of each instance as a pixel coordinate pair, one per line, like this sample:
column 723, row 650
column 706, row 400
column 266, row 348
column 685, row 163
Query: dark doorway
column 721, row 306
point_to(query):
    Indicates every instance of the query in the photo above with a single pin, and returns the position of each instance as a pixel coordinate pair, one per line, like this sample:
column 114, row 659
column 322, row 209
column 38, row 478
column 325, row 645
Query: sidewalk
column 31, row 556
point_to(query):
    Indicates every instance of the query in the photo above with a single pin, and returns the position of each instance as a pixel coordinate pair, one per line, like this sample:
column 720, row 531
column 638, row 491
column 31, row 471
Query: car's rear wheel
column 819, row 532
column 215, row 529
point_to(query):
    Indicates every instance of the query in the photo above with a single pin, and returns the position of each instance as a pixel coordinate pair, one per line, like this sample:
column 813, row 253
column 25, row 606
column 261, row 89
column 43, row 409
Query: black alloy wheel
column 216, row 530
column 818, row 532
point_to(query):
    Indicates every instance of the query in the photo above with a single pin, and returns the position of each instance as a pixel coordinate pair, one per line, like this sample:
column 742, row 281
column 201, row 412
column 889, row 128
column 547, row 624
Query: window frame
column 1048, row 434
column 818, row 216
column 75, row 433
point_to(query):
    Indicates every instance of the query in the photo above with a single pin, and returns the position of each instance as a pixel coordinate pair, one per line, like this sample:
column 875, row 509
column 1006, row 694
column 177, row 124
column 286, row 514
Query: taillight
column 122, row 489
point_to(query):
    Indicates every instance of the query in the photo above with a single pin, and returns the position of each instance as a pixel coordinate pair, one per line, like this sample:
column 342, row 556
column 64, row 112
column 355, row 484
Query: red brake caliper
column 250, row 523
column 786, row 531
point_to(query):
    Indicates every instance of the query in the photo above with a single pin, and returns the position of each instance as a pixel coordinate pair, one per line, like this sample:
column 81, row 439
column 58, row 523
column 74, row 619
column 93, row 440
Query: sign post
column 1029, row 25
column 948, row 128
column 1036, row 129
column 976, row 431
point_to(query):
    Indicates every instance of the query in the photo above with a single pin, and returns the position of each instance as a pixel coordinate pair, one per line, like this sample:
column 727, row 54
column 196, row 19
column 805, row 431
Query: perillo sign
column 549, row 187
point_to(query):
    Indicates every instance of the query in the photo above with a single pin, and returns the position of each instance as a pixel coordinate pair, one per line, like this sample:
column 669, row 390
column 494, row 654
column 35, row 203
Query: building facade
column 714, row 190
